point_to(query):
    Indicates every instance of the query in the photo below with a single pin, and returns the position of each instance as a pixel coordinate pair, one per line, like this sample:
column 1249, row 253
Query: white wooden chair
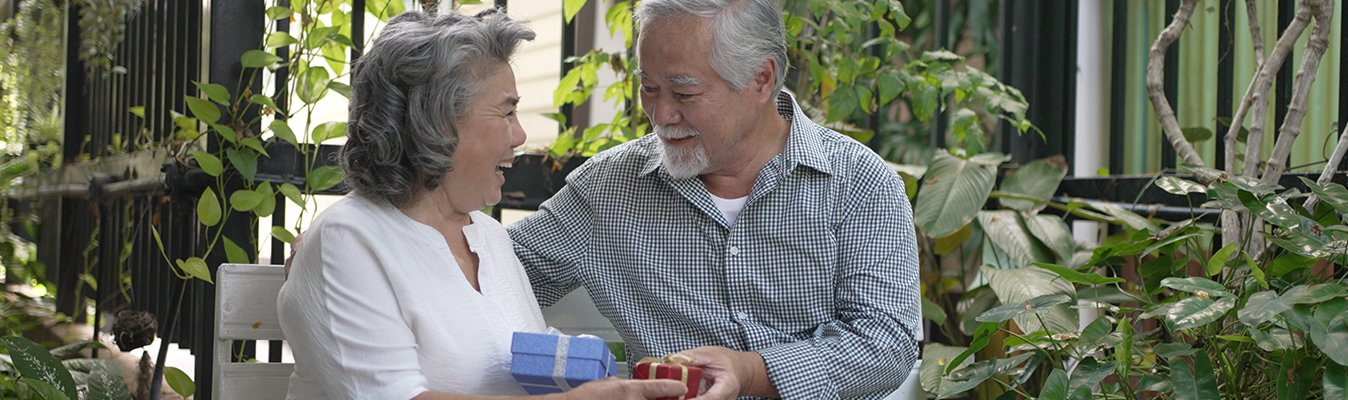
column 245, row 309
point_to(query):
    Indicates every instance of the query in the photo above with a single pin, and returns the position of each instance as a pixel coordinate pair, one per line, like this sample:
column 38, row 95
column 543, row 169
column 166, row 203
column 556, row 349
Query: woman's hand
column 626, row 389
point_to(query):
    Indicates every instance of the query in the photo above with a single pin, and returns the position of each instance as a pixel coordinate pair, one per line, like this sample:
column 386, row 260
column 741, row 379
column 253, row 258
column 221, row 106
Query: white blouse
column 376, row 307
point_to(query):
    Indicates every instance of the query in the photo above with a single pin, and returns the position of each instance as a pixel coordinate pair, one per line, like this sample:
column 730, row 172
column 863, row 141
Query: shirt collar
column 804, row 145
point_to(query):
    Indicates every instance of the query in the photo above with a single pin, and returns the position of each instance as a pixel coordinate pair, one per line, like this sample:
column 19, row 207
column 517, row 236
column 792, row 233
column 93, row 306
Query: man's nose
column 662, row 114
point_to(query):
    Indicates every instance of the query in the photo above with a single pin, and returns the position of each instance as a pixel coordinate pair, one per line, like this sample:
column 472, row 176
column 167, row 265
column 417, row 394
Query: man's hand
column 624, row 389
column 732, row 373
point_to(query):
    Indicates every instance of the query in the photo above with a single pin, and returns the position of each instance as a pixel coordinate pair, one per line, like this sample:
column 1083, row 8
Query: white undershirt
column 730, row 208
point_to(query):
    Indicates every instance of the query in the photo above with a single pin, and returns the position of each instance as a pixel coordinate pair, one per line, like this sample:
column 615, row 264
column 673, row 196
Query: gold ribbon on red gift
column 676, row 360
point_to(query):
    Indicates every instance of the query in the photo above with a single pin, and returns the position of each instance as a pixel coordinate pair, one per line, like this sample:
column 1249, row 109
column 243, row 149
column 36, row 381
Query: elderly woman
column 403, row 289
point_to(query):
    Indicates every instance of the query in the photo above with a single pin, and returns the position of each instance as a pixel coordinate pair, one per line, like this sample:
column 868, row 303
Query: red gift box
column 670, row 367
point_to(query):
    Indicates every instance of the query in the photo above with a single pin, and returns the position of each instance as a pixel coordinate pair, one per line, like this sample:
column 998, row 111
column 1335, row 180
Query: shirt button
column 741, row 315
column 734, row 250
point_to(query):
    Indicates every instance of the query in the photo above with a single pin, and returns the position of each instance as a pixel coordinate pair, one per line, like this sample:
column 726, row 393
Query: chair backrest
column 245, row 309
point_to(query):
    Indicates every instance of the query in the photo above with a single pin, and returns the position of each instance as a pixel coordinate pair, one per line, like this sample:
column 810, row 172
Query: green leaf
column 327, row 131
column 257, row 59
column 570, row 8
column 1009, row 310
column 924, row 98
column 1219, row 259
column 1074, row 276
column 106, row 383
column 1331, row 193
column 341, row 88
column 1201, row 287
column 1179, row 186
column 1261, row 307
column 384, row 9
column 282, row 234
column 1008, row 233
column 208, row 162
column 1295, row 374
column 1276, row 211
column 935, row 358
column 196, row 268
column 889, row 85
column 282, row 131
column 1274, row 339
column 982, row 337
column 1194, row 312
column 970, row 377
column 953, row 191
column 324, row 178
column 897, row 13
column 244, row 162
column 204, row 110
column 1314, row 294
column 293, row 193
column 274, row 13
column 208, row 208
column 138, row 111
column 1055, row 388
column 280, row 39
column 1054, row 233
column 244, row 200
column 842, row 104
column 255, row 144
column 40, row 390
column 266, row 101
column 1022, row 284
column 1333, row 338
column 34, row 362
column 235, row 254
column 932, row 312
column 1197, row 134
column 1335, row 382
column 1128, row 218
column 1038, row 179
column 268, row 205
column 180, row 382
column 215, row 92
column 313, row 85
column 1194, row 382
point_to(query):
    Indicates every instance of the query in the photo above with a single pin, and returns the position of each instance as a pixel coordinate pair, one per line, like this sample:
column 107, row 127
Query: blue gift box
column 546, row 363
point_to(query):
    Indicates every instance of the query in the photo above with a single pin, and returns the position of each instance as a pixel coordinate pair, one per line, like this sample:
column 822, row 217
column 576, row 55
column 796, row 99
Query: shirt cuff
column 796, row 371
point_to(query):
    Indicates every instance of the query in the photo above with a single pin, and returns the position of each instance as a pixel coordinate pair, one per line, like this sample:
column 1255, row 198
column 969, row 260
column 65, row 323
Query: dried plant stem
column 1263, row 78
column 1254, row 143
column 1305, row 76
column 1156, row 89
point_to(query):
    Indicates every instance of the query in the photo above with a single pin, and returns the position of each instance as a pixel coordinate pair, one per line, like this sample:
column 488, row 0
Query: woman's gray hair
column 744, row 33
column 408, row 90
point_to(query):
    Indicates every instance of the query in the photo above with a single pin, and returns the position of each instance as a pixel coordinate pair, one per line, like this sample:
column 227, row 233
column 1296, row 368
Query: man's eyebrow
column 679, row 80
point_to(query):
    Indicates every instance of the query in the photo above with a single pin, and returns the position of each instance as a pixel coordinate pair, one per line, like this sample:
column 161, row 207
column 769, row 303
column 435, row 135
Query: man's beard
column 681, row 162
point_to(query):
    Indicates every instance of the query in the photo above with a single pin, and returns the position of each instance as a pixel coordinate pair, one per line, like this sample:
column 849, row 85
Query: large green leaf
column 935, row 358
column 1039, row 179
column 105, row 383
column 1219, row 259
column 1314, row 294
column 1128, row 218
column 1010, row 310
column 1055, row 388
column 982, row 337
column 1054, row 233
column 313, row 84
column 1295, row 374
column 243, row 161
column 235, row 254
column 1074, row 276
column 204, row 110
column 970, row 377
column 208, row 162
column 1273, row 210
column 1275, row 339
column 1336, row 382
column 196, row 268
column 328, row 131
column 1201, row 287
column 215, row 92
column 1023, row 284
column 1261, row 307
column 244, row 200
column 180, row 382
column 258, row 59
column 34, row 362
column 1008, row 232
column 1332, row 193
column 40, row 390
column 1331, row 338
column 324, row 178
column 1193, row 382
column 953, row 191
column 1197, row 311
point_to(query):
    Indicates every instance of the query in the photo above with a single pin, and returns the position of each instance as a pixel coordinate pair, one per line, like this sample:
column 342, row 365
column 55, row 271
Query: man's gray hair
column 744, row 34
column 408, row 90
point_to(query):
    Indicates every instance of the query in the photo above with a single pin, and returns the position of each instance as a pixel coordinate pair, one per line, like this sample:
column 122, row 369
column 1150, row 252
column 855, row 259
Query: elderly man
column 777, row 253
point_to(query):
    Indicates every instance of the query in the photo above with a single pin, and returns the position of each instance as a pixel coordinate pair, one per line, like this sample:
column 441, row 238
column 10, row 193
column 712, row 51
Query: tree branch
column 1254, row 141
column 1305, row 76
column 1156, row 89
column 1263, row 79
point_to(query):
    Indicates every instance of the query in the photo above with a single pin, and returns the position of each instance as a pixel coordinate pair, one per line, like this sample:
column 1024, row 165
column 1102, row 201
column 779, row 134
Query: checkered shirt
column 818, row 274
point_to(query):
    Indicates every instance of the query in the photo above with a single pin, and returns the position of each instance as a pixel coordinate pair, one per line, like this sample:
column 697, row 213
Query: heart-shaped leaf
column 1261, row 307
column 208, row 208
column 1039, row 180
column 1197, row 311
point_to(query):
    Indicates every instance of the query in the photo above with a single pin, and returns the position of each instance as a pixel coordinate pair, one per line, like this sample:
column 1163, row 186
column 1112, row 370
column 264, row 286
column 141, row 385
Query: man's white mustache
column 671, row 133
